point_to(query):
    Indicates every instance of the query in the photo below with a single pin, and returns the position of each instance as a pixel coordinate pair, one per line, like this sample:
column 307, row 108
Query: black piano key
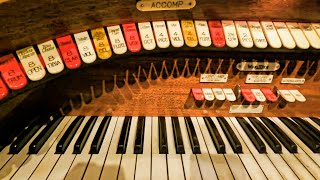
column 283, row 137
column 316, row 120
column 98, row 138
column 301, row 134
column 138, row 144
column 266, row 134
column 38, row 142
column 124, row 136
column 192, row 136
column 68, row 135
column 163, row 142
column 310, row 129
column 231, row 136
column 25, row 136
column 215, row 136
column 82, row 139
column 255, row 139
column 177, row 136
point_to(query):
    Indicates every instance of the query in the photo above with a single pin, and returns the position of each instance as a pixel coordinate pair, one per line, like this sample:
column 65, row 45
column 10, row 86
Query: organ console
column 159, row 89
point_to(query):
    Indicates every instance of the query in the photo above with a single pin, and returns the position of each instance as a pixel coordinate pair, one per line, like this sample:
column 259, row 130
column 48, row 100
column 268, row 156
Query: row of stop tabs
column 246, row 95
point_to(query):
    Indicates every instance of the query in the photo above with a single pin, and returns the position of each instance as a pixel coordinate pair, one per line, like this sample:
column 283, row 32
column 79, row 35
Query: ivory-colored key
column 285, row 35
column 175, row 33
column 298, row 35
column 271, row 34
column 311, row 35
column 117, row 40
column 230, row 33
column 101, row 43
column 189, row 33
column 85, row 47
column 203, row 33
column 161, row 34
column 257, row 34
column 146, row 34
column 244, row 34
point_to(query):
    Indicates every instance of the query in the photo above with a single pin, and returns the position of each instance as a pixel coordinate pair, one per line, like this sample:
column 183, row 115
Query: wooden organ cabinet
column 159, row 89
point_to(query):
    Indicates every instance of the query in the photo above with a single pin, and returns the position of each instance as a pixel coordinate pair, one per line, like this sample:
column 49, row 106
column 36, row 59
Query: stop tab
column 259, row 95
column 203, row 33
column 3, row 90
column 175, row 33
column 189, row 33
column 244, row 34
column 101, row 43
column 270, row 96
column 146, row 35
column 116, row 39
column 230, row 96
column 86, row 50
column 285, row 35
column 218, row 93
column 51, row 57
column 208, row 94
column 286, row 95
column 248, row 95
column 298, row 35
column 230, row 33
column 216, row 32
column 197, row 94
column 69, row 52
column 271, row 34
column 297, row 95
column 161, row 34
column 11, row 72
column 31, row 63
column 132, row 37
column 311, row 35
column 257, row 34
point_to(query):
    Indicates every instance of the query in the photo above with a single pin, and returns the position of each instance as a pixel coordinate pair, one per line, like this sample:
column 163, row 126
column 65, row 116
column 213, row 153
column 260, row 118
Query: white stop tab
column 85, row 47
column 31, row 63
column 297, row 95
column 298, row 35
column 208, row 94
column 230, row 96
column 161, row 34
column 316, row 27
column 51, row 57
column 285, row 35
column 244, row 34
column 218, row 93
column 257, row 34
column 230, row 33
column 271, row 34
column 175, row 33
column 146, row 35
column 286, row 95
column 203, row 33
column 259, row 95
column 116, row 39
column 311, row 35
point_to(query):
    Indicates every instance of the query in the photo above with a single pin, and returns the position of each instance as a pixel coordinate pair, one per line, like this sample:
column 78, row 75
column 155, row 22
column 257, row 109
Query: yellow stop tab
column 189, row 33
column 101, row 43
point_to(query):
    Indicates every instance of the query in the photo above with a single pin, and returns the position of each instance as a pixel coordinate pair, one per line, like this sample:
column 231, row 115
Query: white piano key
column 112, row 162
column 47, row 163
column 146, row 35
column 96, row 163
column 161, row 34
column 143, row 166
column 190, row 164
column 244, row 35
column 175, row 33
column 310, row 34
column 5, row 156
column 271, row 34
column 316, row 27
column 159, row 162
column 219, row 162
column 64, row 163
column 298, row 35
column 117, row 40
column 257, row 34
column 285, row 35
column 230, row 33
column 85, row 47
column 78, row 167
column 203, row 33
column 34, row 159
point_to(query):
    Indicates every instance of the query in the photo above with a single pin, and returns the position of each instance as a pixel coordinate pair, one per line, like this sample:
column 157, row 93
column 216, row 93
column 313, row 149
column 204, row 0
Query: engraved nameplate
column 258, row 66
column 293, row 80
column 259, row 79
column 213, row 77
column 160, row 5
column 246, row 109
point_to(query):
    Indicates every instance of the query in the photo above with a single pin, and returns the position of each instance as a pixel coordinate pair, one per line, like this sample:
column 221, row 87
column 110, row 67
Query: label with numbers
column 216, row 32
column 311, row 35
column 230, row 33
column 132, row 37
column 31, row 63
column 257, row 34
column 203, row 33
column 189, row 33
column 213, row 77
column 146, row 35
column 298, row 35
column 285, row 35
column 85, row 47
column 161, row 34
column 51, row 57
column 3, row 90
column 244, row 34
column 116, row 39
column 175, row 33
column 101, row 43
column 271, row 34
column 316, row 27
column 11, row 72
column 246, row 109
column 208, row 94
column 69, row 52
column 259, row 79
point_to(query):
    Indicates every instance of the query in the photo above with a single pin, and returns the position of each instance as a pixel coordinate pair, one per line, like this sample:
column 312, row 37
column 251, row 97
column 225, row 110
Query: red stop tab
column 217, row 34
column 11, row 72
column 132, row 37
column 197, row 94
column 69, row 52
column 269, row 94
column 248, row 95
column 3, row 90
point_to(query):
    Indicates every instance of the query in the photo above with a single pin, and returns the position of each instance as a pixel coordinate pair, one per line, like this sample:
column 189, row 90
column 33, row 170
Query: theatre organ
column 114, row 90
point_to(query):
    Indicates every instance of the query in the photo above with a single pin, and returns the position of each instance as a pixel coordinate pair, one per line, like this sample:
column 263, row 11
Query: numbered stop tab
column 146, row 35
column 116, row 38
column 11, row 72
column 189, row 33
column 230, row 33
column 271, row 34
column 257, row 34
column 244, row 34
column 285, row 35
column 259, row 95
column 203, row 33
column 270, row 96
column 161, row 34
column 311, row 35
column 51, row 57
column 216, row 33
column 86, row 50
column 101, row 43
column 132, row 37
column 3, row 90
column 248, row 95
column 175, row 33
column 69, row 52
column 208, row 94
column 298, row 35
column 31, row 63
column 218, row 93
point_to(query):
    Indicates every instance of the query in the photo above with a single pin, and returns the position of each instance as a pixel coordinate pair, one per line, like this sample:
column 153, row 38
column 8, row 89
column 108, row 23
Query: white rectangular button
column 230, row 33
column 116, row 39
column 203, row 33
column 160, row 31
column 257, row 34
column 298, row 35
column 86, row 50
column 51, row 57
column 271, row 34
column 146, row 35
column 175, row 33
column 285, row 35
column 244, row 34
